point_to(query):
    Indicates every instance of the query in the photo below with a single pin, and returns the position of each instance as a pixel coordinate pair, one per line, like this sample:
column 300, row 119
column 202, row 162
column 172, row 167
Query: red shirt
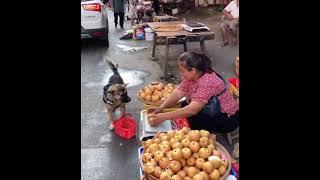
column 207, row 86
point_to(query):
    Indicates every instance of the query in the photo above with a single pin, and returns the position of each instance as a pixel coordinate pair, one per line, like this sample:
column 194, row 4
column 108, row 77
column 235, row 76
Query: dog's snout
column 125, row 99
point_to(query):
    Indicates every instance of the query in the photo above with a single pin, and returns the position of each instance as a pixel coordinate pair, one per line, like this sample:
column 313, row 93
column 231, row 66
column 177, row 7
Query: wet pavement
column 105, row 156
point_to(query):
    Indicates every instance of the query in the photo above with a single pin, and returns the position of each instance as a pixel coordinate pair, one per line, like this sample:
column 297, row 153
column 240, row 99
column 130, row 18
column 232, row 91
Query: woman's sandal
column 224, row 44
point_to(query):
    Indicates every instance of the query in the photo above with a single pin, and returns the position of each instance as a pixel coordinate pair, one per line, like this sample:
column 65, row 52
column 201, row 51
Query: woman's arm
column 171, row 100
column 190, row 110
column 228, row 14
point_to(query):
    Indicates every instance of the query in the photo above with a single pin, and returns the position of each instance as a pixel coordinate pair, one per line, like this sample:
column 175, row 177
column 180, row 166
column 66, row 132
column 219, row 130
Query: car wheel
column 105, row 41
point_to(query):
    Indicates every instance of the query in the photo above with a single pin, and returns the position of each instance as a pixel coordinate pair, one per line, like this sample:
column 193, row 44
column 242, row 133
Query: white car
column 94, row 20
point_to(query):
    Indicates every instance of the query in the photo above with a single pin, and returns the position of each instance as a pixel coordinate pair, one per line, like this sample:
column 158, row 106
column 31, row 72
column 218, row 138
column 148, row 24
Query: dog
column 115, row 93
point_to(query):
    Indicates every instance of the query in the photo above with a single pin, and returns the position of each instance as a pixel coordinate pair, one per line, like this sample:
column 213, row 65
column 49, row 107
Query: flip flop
column 234, row 43
column 224, row 44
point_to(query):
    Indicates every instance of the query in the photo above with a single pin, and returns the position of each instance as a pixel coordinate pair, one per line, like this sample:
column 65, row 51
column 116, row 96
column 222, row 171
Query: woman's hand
column 155, row 110
column 156, row 119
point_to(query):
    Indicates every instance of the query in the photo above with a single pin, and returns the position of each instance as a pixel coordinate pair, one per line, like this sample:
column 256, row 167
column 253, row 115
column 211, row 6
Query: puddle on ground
column 133, row 77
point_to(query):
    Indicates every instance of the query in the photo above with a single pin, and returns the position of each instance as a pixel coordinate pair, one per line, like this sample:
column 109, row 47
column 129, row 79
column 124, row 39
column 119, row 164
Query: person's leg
column 115, row 19
column 233, row 30
column 223, row 27
column 121, row 14
column 220, row 124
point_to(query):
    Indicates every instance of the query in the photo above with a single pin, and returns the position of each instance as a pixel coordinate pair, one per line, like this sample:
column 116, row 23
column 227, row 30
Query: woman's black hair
column 197, row 60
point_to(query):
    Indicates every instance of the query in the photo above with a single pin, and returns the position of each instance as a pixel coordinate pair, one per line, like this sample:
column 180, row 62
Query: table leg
column 185, row 46
column 165, row 63
column 203, row 49
column 154, row 47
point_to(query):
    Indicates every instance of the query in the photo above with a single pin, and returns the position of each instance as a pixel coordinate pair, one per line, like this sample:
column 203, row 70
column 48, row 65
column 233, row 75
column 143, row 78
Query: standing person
column 231, row 12
column 132, row 11
column 118, row 10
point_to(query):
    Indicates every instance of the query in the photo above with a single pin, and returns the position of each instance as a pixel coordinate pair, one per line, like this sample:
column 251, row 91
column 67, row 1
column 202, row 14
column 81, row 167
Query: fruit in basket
column 185, row 143
column 225, row 163
column 199, row 163
column 164, row 163
column 207, row 167
column 160, row 86
column 186, row 130
column 191, row 161
column 196, row 155
column 191, row 171
column 215, row 160
column 214, row 175
column 146, row 157
column 176, row 177
column 143, row 95
column 204, row 133
column 173, row 141
column 194, row 135
column 183, row 162
column 198, row 177
column 156, row 92
column 194, row 146
column 165, row 138
column 165, row 175
column 148, row 168
column 153, row 147
column 164, row 148
column 158, row 155
column 204, row 153
column 148, row 97
column 153, row 162
column 182, row 173
column 186, row 153
column 185, row 168
column 147, row 143
column 157, row 171
column 210, row 147
column 187, row 178
column 166, row 143
column 175, row 166
column 222, row 170
column 171, row 133
column 177, row 154
column 203, row 142
column 177, row 145
column 217, row 153
column 179, row 137
column 169, row 155
column 155, row 98
column 204, row 175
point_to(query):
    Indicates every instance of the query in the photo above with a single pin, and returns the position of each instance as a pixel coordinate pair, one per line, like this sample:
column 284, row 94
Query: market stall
column 175, row 33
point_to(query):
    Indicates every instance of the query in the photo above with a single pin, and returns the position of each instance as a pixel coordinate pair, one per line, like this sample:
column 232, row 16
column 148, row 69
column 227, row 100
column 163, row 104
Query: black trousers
column 221, row 123
column 121, row 16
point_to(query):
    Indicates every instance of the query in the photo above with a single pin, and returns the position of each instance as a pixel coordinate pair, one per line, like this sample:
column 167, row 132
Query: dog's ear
column 126, row 84
column 111, row 91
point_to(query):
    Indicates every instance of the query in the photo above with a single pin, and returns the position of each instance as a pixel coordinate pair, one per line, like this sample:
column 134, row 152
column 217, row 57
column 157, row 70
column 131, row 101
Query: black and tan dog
column 115, row 93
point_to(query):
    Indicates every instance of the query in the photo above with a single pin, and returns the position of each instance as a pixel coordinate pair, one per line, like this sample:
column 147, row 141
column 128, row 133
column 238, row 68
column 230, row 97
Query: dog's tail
column 113, row 67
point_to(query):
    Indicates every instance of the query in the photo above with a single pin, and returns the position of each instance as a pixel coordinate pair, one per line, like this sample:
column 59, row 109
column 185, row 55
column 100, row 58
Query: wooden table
column 173, row 38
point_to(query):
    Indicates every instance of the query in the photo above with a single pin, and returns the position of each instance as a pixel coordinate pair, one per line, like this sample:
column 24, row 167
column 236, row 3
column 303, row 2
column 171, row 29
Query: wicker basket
column 234, row 90
column 217, row 145
column 158, row 103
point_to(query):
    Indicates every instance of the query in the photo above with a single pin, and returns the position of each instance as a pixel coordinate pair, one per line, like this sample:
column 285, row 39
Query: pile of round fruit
column 183, row 155
column 156, row 92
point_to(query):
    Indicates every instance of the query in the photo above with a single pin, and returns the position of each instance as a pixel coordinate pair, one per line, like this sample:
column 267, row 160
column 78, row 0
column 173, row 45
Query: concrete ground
column 105, row 156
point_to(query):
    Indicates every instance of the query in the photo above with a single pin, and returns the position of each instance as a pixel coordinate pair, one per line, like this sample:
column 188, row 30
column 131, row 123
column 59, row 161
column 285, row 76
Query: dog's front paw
column 111, row 127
